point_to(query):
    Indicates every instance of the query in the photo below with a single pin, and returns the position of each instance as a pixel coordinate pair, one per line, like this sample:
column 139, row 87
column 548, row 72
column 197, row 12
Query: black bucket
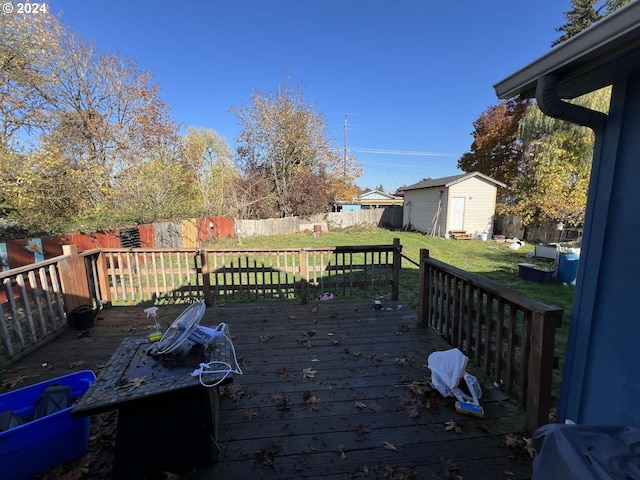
column 82, row 317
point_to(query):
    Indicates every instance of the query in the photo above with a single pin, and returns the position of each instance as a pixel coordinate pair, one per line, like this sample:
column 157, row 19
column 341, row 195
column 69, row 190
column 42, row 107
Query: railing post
column 206, row 278
column 541, row 363
column 73, row 276
column 395, row 275
column 304, row 276
column 423, row 295
column 103, row 278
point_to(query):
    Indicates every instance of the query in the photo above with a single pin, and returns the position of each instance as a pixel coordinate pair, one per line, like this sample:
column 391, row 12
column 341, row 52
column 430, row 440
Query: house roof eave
column 586, row 62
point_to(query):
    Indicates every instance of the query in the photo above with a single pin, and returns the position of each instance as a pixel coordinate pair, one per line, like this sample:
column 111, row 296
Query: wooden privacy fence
column 509, row 335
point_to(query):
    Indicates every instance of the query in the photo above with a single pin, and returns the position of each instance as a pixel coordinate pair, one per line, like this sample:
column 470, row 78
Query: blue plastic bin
column 34, row 447
column 568, row 267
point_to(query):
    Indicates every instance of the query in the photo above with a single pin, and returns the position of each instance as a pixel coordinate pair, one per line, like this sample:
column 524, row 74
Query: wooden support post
column 73, row 276
column 206, row 278
column 541, row 363
column 103, row 278
column 304, row 276
column 395, row 275
column 423, row 295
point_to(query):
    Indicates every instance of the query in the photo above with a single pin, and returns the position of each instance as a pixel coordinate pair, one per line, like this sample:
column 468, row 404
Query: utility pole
column 344, row 165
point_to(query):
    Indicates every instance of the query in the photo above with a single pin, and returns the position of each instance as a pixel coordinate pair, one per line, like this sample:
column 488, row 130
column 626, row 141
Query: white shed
column 460, row 202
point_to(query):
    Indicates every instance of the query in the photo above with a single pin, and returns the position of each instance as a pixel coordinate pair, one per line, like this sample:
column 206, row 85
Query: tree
column 553, row 183
column 209, row 160
column 29, row 45
column 496, row 150
column 613, row 5
column 80, row 119
column 284, row 142
column 582, row 15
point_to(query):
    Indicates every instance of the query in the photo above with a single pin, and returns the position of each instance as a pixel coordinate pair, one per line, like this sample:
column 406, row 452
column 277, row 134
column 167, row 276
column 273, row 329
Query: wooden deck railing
column 174, row 275
column 509, row 335
column 31, row 306
column 36, row 300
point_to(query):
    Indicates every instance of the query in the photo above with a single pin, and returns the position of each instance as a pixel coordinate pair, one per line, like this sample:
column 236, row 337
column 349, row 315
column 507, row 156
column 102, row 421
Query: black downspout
column 551, row 105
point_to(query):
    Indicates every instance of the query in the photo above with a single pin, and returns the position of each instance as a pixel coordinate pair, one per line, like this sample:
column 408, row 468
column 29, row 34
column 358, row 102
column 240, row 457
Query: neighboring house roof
column 377, row 194
column 373, row 197
column 452, row 180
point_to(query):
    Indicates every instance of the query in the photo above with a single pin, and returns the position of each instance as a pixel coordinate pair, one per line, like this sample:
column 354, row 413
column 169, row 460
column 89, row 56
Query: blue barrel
column 568, row 268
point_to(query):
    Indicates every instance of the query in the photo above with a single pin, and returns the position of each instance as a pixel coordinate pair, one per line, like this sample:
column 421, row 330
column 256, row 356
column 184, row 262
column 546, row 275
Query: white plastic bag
column 447, row 369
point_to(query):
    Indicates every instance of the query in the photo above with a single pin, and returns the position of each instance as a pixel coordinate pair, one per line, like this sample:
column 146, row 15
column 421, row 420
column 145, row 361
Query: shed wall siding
column 480, row 203
column 424, row 204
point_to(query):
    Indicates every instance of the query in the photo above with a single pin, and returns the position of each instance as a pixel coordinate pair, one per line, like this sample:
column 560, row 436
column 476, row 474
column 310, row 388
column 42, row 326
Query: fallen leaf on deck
column 267, row 456
column 452, row 425
column 170, row 476
column 282, row 401
column 233, row 391
column 418, row 387
column 528, row 446
column 362, row 430
column 342, row 454
column 314, row 309
column 292, row 317
column 400, row 473
column 305, row 342
column 17, row 380
column 450, row 469
column 432, row 403
column 390, row 446
column 265, row 338
column 283, row 371
column 250, row 414
column 360, row 405
column 512, row 442
column 312, row 403
column 308, row 373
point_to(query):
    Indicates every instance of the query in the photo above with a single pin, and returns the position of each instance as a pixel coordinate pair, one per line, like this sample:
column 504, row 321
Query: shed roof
column 452, row 180
column 590, row 60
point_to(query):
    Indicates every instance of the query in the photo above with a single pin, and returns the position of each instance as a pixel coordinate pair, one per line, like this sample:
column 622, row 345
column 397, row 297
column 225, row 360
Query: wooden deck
column 330, row 390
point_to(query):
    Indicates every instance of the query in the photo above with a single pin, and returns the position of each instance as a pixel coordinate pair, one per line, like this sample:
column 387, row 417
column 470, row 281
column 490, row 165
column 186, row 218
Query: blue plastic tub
column 34, row 447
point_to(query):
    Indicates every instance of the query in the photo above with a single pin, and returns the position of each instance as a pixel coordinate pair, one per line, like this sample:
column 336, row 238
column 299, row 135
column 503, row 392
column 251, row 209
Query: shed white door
column 456, row 217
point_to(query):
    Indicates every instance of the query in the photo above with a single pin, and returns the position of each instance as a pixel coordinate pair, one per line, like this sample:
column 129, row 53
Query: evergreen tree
column 613, row 5
column 582, row 15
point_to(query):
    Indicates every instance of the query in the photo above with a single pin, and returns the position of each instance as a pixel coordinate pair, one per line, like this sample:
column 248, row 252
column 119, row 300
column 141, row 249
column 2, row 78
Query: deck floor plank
column 363, row 361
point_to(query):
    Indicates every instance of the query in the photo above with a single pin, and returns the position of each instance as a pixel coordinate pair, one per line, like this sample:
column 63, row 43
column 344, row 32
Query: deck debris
column 308, row 372
column 390, row 446
column 132, row 384
column 452, row 425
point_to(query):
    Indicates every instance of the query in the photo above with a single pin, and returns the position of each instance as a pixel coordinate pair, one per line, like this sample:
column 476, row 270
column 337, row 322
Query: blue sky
column 412, row 75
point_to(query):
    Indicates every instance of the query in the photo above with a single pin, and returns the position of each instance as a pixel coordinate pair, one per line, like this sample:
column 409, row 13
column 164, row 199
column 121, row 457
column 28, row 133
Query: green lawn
column 489, row 259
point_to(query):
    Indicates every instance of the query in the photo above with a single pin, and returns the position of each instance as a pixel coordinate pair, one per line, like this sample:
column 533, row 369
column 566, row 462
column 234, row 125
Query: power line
column 401, row 152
